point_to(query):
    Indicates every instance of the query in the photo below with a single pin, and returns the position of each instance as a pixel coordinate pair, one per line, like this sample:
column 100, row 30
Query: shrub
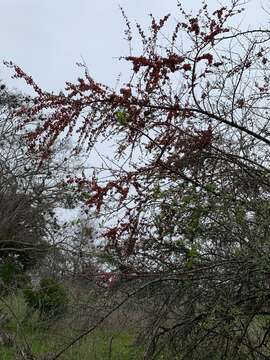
column 50, row 299
column 12, row 276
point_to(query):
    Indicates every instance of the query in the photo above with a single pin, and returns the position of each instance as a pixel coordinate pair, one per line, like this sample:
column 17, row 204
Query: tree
column 185, row 195
column 29, row 193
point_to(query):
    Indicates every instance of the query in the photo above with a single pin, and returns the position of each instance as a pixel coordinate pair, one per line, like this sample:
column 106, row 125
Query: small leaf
column 121, row 117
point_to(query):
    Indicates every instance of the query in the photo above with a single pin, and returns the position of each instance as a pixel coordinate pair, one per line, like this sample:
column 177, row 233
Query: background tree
column 29, row 193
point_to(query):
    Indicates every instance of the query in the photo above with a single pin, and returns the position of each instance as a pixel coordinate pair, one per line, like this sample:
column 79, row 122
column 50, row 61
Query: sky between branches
column 47, row 38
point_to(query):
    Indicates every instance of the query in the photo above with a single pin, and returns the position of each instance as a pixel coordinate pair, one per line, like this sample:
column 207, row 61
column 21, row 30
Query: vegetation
column 50, row 299
column 180, row 266
column 43, row 338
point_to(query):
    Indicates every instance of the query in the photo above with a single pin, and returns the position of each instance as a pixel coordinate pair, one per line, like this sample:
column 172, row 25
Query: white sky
column 47, row 37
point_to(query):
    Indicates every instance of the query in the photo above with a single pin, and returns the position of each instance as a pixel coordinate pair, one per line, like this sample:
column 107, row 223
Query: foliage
column 50, row 299
column 12, row 275
column 44, row 341
column 188, row 179
column 29, row 193
column 22, row 231
column 22, row 224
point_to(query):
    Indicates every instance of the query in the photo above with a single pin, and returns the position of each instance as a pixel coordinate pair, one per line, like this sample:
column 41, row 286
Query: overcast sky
column 47, row 37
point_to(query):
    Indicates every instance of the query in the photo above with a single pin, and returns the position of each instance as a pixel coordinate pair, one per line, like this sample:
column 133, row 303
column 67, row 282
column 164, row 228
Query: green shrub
column 50, row 299
column 12, row 276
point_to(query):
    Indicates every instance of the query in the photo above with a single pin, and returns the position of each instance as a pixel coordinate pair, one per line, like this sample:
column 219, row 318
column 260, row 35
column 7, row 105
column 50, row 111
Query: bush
column 50, row 299
column 12, row 276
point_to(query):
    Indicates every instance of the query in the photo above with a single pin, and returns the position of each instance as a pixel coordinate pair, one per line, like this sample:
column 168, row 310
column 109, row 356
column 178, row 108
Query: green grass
column 6, row 354
column 104, row 343
column 95, row 347
column 104, row 346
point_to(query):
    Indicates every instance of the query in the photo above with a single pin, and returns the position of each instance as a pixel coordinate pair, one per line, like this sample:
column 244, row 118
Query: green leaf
column 192, row 253
column 121, row 117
